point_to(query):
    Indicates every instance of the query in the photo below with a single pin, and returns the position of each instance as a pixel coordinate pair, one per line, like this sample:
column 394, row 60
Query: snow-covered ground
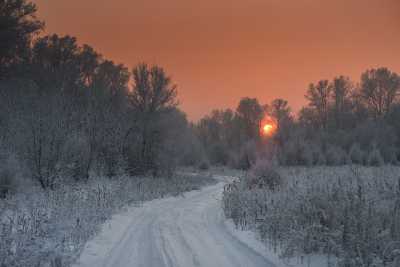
column 250, row 239
column 184, row 231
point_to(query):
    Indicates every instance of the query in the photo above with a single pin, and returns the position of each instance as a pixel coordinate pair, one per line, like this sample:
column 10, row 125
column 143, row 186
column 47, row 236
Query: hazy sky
column 218, row 51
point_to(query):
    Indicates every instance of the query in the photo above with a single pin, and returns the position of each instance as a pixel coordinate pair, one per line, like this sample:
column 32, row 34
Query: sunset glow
column 224, row 50
column 268, row 126
column 267, row 129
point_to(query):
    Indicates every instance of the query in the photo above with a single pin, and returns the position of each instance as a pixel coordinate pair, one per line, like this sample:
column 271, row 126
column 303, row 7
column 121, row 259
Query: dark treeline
column 343, row 122
column 65, row 111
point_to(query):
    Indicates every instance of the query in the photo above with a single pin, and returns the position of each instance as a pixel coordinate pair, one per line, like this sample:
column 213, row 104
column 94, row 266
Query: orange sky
column 218, row 51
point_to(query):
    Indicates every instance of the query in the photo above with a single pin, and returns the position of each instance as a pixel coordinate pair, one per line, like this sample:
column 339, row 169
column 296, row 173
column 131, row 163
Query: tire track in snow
column 172, row 232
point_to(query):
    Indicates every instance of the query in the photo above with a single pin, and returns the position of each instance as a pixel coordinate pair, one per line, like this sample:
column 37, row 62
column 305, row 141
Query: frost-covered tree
column 153, row 95
column 250, row 113
column 219, row 134
column 380, row 89
column 280, row 111
column 104, row 118
column 318, row 96
column 44, row 124
column 341, row 107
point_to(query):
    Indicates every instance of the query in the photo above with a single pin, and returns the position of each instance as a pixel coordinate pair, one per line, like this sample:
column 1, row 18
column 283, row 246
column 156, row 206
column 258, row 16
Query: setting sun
column 267, row 129
column 267, row 126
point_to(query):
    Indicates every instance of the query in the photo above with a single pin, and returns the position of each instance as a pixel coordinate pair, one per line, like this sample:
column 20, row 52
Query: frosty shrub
column 8, row 176
column 165, row 165
column 304, row 154
column 7, row 180
column 335, row 156
column 263, row 175
column 389, row 154
column 378, row 134
column 75, row 157
column 110, row 162
column 50, row 227
column 246, row 156
column 375, row 158
column 356, row 154
column 297, row 152
column 204, row 165
column 318, row 156
column 349, row 214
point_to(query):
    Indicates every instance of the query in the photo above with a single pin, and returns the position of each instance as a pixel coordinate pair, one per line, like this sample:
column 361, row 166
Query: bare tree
column 341, row 88
column 44, row 127
column 280, row 110
column 318, row 96
column 153, row 94
column 104, row 118
column 250, row 113
column 218, row 134
column 380, row 89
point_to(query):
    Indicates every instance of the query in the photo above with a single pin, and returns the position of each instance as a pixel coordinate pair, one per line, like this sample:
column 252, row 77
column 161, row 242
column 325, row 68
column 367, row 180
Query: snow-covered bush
column 246, row 157
column 75, row 157
column 110, row 162
column 318, row 155
column 381, row 135
column 348, row 213
column 50, row 227
column 375, row 158
column 204, row 165
column 263, row 175
column 8, row 176
column 297, row 152
column 7, row 180
column 335, row 156
column 356, row 154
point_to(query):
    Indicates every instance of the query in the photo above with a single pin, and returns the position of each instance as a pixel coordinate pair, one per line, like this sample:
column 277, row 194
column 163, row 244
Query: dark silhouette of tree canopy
column 280, row 110
column 250, row 113
column 153, row 94
column 153, row 91
column 318, row 96
column 380, row 89
column 18, row 24
column 341, row 88
column 218, row 133
column 57, row 64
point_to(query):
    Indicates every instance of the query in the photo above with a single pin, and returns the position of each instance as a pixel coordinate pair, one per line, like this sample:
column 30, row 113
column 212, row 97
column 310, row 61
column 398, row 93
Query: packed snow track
column 182, row 231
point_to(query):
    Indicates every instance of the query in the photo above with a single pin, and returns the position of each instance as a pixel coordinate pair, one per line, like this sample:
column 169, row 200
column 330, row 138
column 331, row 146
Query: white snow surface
column 183, row 231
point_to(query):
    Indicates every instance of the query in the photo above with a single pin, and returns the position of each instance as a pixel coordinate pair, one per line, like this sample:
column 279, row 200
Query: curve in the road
column 173, row 232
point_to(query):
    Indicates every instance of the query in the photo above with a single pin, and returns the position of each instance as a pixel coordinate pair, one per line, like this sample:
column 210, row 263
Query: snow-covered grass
column 50, row 228
column 347, row 216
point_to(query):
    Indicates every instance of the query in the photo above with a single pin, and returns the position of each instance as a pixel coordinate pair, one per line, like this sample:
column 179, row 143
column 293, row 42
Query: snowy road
column 177, row 231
